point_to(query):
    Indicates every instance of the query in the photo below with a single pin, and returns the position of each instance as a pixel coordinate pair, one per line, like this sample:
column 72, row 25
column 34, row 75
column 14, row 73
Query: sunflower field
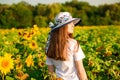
column 22, row 54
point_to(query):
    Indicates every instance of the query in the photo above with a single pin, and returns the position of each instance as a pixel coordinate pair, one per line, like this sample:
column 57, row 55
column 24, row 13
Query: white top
column 66, row 69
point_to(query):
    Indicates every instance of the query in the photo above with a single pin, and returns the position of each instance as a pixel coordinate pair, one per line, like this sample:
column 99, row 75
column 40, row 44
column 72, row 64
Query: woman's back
column 66, row 69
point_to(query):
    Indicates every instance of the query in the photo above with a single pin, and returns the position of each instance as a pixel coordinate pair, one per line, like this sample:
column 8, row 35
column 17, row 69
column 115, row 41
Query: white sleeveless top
column 66, row 69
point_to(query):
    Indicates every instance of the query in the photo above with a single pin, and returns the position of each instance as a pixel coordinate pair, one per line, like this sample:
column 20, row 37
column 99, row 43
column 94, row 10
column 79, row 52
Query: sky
column 35, row 2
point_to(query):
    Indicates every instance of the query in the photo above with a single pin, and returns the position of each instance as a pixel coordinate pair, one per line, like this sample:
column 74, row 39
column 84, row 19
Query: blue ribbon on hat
column 51, row 25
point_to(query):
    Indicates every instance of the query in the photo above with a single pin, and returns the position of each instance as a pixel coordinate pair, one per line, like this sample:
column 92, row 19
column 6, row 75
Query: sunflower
column 108, row 53
column 91, row 63
column 19, row 66
column 44, row 58
column 33, row 32
column 20, row 33
column 27, row 36
column 41, row 63
column 17, row 60
column 21, row 76
column 39, row 55
column 35, row 27
column 29, row 61
column 33, row 45
column 6, row 64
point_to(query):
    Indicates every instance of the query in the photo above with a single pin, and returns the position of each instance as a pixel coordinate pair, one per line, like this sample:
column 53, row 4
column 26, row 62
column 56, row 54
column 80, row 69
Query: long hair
column 57, row 47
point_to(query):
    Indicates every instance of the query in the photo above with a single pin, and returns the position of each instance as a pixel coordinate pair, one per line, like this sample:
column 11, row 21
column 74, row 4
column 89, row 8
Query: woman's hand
column 50, row 68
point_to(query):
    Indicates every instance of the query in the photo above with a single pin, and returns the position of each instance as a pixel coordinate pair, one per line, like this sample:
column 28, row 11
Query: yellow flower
column 39, row 55
column 108, row 53
column 57, row 79
column 17, row 60
column 29, row 61
column 20, row 33
column 33, row 45
column 21, row 76
column 91, row 62
column 27, row 36
column 41, row 63
column 33, row 32
column 6, row 64
column 13, row 29
column 35, row 27
column 3, row 33
column 19, row 66
column 52, row 76
column 44, row 58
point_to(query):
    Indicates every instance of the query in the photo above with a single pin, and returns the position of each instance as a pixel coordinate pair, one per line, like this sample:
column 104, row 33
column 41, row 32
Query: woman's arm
column 80, row 70
column 50, row 68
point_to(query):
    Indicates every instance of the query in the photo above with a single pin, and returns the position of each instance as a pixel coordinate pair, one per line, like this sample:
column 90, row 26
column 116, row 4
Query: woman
column 64, row 54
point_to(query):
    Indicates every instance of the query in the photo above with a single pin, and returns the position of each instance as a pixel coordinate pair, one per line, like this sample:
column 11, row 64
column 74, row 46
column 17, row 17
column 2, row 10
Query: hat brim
column 76, row 21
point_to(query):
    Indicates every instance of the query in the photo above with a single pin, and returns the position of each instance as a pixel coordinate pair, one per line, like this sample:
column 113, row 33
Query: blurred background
column 24, row 31
column 25, row 13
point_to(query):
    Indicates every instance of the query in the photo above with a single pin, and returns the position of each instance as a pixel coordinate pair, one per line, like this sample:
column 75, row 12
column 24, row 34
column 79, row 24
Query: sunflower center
column 4, row 63
column 42, row 64
column 33, row 44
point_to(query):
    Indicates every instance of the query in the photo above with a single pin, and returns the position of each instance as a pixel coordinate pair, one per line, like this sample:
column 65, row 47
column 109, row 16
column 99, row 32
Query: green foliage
column 102, row 49
column 18, row 16
column 101, row 46
column 40, row 20
column 23, row 15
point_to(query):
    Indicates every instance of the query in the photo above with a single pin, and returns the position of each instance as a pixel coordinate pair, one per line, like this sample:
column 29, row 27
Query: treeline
column 22, row 14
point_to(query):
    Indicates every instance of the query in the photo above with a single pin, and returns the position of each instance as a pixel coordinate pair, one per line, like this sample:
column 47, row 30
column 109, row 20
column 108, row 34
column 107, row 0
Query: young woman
column 64, row 54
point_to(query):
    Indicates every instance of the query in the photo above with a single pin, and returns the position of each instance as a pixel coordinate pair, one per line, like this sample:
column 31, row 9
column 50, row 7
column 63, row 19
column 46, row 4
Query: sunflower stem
column 3, row 76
